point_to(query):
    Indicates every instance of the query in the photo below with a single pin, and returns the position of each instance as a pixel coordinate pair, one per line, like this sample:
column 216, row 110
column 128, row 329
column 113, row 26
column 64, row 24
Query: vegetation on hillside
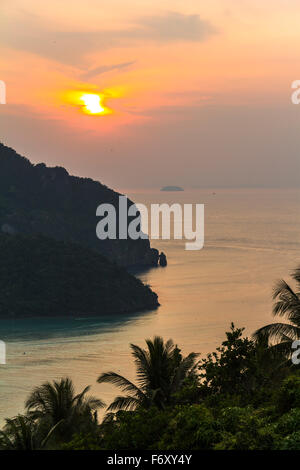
column 40, row 276
column 36, row 199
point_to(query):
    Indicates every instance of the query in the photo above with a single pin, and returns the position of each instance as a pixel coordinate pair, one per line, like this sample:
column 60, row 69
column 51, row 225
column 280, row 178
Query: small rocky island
column 172, row 188
column 163, row 260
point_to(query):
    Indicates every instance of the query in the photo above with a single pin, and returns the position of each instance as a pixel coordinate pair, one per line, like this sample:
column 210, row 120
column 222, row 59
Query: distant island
column 172, row 188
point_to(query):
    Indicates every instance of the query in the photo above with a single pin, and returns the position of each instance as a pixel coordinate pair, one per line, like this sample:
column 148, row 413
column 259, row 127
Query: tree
column 239, row 367
column 161, row 372
column 22, row 433
column 51, row 403
column 287, row 304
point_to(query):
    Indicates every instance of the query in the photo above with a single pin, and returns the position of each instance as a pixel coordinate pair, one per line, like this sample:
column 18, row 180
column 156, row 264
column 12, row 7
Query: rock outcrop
column 163, row 260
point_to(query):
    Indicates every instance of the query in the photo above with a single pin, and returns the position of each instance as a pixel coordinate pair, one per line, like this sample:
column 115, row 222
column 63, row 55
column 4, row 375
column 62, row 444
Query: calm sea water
column 252, row 238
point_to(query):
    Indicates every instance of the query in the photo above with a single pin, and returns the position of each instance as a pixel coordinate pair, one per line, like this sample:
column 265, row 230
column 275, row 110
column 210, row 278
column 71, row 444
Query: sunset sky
column 196, row 93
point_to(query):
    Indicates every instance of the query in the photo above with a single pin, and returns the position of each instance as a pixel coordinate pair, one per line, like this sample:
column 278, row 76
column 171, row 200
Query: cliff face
column 38, row 199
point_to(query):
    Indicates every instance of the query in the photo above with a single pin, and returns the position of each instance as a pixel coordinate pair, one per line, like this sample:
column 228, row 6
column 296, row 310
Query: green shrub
column 288, row 396
column 192, row 427
column 83, row 442
column 140, row 429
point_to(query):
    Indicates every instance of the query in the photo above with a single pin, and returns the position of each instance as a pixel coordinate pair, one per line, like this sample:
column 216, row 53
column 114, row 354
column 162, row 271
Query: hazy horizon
column 198, row 95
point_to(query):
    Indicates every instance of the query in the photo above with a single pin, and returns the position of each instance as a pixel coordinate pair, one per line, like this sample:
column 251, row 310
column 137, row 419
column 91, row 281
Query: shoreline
column 81, row 315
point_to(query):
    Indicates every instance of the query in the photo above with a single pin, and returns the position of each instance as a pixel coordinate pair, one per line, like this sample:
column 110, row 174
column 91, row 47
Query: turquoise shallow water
column 252, row 237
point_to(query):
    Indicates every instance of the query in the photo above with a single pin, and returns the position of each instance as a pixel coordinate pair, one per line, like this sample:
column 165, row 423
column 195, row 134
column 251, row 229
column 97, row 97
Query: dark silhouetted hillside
column 45, row 277
column 38, row 199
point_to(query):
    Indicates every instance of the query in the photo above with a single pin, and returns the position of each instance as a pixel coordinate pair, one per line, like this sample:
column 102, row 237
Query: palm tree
column 22, row 433
column 51, row 403
column 161, row 371
column 287, row 305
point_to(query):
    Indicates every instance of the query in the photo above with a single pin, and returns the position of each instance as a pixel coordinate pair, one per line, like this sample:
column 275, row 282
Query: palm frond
column 277, row 331
column 282, row 288
column 124, row 384
column 126, row 403
column 282, row 350
column 288, row 302
column 50, row 433
column 296, row 275
column 188, row 364
column 93, row 403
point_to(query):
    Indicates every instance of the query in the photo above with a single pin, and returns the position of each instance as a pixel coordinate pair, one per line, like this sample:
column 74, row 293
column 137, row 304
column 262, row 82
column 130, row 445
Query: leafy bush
column 288, row 396
column 244, row 429
column 83, row 442
column 140, row 429
column 191, row 427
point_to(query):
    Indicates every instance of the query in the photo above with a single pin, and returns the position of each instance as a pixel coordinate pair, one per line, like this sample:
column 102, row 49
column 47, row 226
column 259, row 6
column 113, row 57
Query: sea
column 252, row 239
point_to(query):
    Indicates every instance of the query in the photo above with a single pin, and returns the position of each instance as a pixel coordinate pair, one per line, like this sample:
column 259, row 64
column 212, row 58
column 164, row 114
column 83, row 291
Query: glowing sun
column 92, row 104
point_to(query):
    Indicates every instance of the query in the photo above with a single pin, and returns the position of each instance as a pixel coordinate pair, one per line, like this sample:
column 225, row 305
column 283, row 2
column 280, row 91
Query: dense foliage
column 41, row 276
column 232, row 403
column 235, row 403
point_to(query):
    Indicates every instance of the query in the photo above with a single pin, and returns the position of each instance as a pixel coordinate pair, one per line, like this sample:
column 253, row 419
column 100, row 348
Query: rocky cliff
column 38, row 199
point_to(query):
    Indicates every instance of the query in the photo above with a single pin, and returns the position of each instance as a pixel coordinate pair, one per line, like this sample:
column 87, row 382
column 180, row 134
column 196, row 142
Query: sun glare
column 92, row 104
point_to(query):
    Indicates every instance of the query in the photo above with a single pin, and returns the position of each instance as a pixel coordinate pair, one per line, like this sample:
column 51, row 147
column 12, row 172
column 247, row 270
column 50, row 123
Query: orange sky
column 175, row 74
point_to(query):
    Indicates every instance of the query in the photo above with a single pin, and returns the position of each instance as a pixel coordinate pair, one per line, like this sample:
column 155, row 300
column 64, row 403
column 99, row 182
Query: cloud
column 33, row 34
column 105, row 68
column 174, row 26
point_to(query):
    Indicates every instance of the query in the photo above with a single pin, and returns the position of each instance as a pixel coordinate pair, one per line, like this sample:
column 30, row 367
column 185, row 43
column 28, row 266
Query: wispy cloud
column 94, row 72
column 31, row 33
column 173, row 26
